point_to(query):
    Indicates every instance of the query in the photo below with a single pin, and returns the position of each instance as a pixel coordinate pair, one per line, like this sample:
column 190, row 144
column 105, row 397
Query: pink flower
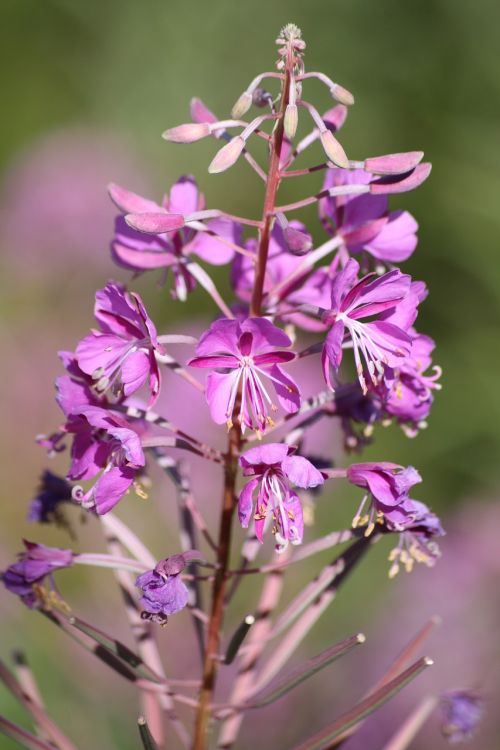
column 365, row 222
column 142, row 251
column 246, row 354
column 121, row 356
column 275, row 469
column 379, row 342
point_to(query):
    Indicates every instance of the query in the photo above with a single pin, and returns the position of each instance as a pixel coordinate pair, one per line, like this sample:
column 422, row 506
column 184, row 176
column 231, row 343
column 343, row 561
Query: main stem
column 234, row 444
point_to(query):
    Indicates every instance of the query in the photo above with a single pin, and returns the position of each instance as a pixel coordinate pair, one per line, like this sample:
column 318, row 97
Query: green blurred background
column 87, row 88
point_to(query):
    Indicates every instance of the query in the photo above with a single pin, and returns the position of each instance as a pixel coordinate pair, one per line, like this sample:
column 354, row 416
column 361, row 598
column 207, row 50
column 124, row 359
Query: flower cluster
column 344, row 306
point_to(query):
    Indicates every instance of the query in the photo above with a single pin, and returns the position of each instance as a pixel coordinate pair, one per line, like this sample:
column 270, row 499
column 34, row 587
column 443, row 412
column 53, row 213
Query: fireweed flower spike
column 26, row 577
column 275, row 469
column 360, row 312
column 247, row 356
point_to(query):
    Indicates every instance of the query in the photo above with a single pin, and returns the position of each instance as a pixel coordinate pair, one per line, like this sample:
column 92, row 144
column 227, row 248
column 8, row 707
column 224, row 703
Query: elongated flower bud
column 187, row 133
column 394, row 163
column 227, row 156
column 396, row 184
column 333, row 149
column 291, row 120
column 342, row 95
column 242, row 105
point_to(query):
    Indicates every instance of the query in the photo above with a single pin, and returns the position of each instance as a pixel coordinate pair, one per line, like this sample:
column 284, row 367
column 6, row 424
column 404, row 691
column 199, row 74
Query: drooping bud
column 298, row 243
column 333, row 149
column 394, row 163
column 291, row 120
column 155, row 223
column 227, row 156
column 187, row 133
column 342, row 95
column 401, row 183
column 242, row 105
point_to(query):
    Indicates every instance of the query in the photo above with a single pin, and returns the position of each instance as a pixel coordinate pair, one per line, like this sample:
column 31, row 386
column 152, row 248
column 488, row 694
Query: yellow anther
column 139, row 491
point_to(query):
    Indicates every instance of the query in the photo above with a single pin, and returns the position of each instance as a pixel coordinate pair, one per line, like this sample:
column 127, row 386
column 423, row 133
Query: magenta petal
column 333, row 344
column 221, row 338
column 211, row 248
column 141, row 259
column 129, row 202
column 215, row 361
column 100, row 351
column 287, row 390
column 218, row 392
column 87, row 457
column 245, row 502
column 265, row 334
column 397, row 240
column 401, row 183
column 273, row 358
column 394, row 163
column 365, row 232
column 267, row 454
column 301, row 472
column 184, row 197
column 342, row 282
column 111, row 487
column 395, row 343
column 295, row 531
column 135, row 370
column 155, row 223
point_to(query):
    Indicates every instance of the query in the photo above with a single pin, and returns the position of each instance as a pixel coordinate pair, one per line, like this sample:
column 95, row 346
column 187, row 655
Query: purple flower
column 25, row 578
column 387, row 487
column 53, row 491
column 247, row 355
column 419, row 527
column 379, row 342
column 275, row 469
column 407, row 393
column 164, row 593
column 104, row 444
column 364, row 221
column 461, row 712
column 141, row 251
column 121, row 356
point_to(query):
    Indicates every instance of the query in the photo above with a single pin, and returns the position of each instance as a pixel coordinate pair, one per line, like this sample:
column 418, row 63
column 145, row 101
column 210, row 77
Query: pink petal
column 245, row 502
column 401, row 183
column 218, row 392
column 155, row 223
column 394, row 163
column 130, row 202
column 301, row 472
column 134, row 372
column 184, row 197
column 287, row 390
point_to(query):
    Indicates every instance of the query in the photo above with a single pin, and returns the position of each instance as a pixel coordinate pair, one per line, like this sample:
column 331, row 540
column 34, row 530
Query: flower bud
column 187, row 133
column 155, row 223
column 227, row 156
column 291, row 119
column 333, row 149
column 242, row 106
column 394, row 163
column 342, row 95
column 396, row 184
column 298, row 243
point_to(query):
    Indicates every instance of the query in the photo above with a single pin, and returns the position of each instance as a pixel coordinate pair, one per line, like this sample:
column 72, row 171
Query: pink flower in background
column 142, row 251
column 364, row 221
column 246, row 353
column 275, row 469
column 52, row 212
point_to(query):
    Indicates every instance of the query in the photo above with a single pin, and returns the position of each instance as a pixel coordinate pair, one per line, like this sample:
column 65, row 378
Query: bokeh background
column 86, row 90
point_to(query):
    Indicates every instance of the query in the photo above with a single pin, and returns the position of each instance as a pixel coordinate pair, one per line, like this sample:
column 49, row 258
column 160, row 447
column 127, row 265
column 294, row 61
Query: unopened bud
column 298, row 243
column 342, row 95
column 188, row 133
column 155, row 223
column 227, row 156
column 291, row 120
column 394, row 163
column 242, row 106
column 333, row 149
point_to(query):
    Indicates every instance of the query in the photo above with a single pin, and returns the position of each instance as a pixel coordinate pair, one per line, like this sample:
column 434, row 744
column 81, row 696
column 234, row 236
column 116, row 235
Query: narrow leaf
column 366, row 707
column 282, row 685
column 25, row 738
column 117, row 648
column 148, row 742
column 238, row 637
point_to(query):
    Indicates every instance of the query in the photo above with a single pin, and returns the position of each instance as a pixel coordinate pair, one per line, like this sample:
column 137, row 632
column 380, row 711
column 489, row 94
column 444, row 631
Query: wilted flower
column 163, row 591
column 418, row 527
column 26, row 577
column 461, row 712
column 53, row 491
column 275, row 469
